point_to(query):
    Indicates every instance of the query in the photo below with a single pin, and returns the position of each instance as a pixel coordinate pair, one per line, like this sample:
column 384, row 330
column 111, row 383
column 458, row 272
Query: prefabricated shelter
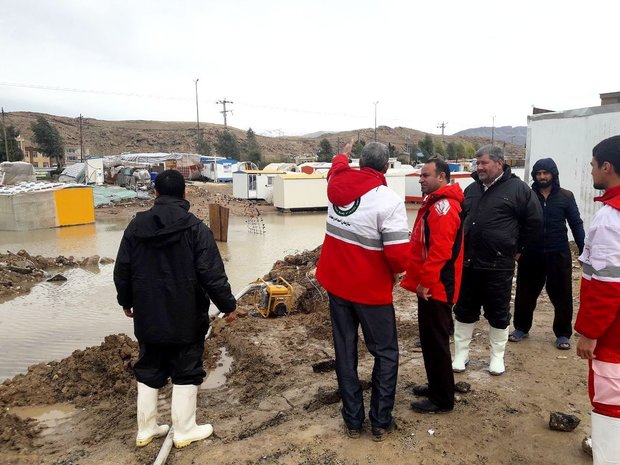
column 39, row 205
column 309, row 191
column 219, row 169
column 413, row 190
column 300, row 191
column 568, row 137
column 188, row 164
column 254, row 184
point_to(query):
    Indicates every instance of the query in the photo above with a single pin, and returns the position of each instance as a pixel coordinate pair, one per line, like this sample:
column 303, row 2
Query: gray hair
column 494, row 152
column 375, row 155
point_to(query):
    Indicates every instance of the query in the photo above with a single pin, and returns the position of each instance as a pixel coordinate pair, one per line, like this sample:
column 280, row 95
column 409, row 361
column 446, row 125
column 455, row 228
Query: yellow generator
column 274, row 297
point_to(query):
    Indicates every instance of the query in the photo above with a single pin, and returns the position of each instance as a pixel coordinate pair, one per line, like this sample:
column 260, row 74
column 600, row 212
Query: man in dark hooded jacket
column 547, row 261
column 168, row 267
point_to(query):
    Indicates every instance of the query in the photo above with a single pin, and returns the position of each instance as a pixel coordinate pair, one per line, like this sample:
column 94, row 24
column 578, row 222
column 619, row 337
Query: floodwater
column 55, row 319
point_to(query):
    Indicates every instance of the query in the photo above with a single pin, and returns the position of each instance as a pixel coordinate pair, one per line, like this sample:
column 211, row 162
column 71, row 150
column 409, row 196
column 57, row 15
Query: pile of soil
column 20, row 271
column 276, row 407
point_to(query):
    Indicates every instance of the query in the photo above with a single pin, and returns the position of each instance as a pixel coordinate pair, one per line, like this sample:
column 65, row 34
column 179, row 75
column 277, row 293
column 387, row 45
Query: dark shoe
column 517, row 335
column 427, row 406
column 353, row 433
column 420, row 390
column 379, row 434
column 562, row 343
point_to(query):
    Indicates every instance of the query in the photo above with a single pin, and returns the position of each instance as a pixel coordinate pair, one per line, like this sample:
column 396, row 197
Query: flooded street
column 57, row 318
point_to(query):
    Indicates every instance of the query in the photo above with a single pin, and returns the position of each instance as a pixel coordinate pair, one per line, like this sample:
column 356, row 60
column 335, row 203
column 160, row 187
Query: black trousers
column 378, row 324
column 435, row 323
column 181, row 362
column 554, row 272
column 489, row 289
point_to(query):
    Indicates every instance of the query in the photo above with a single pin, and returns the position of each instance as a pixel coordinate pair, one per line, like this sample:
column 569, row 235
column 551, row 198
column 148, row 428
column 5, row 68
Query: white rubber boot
column 183, row 412
column 605, row 444
column 498, row 339
column 148, row 429
column 462, row 338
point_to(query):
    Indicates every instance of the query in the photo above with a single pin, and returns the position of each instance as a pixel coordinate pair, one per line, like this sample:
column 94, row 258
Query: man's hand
column 585, row 348
column 423, row 292
column 348, row 148
column 128, row 312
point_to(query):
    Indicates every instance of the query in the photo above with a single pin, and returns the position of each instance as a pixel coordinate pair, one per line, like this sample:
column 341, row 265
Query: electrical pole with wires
column 442, row 126
column 223, row 103
column 197, row 117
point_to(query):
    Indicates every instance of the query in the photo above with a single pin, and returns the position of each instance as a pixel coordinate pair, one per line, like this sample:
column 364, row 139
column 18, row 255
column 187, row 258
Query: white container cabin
column 569, row 137
column 254, row 184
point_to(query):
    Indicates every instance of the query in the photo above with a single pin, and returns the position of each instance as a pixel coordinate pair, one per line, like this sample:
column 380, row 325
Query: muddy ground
column 275, row 409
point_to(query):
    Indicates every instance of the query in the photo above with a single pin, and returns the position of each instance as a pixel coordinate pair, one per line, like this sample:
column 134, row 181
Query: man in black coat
column 502, row 216
column 167, row 269
column 547, row 261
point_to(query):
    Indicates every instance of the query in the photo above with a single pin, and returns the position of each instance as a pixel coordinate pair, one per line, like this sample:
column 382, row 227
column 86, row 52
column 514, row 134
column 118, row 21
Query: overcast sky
column 301, row 66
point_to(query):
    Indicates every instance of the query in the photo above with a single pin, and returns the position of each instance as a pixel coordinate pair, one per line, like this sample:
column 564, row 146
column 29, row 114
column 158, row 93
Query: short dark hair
column 170, row 182
column 494, row 152
column 440, row 166
column 375, row 155
column 608, row 150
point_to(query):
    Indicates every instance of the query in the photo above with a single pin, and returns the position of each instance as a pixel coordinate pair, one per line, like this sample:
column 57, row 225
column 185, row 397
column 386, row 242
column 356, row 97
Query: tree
column 451, row 151
column 326, row 152
column 48, row 140
column 391, row 150
column 358, row 146
column 426, row 146
column 251, row 148
column 227, row 145
column 460, row 150
column 439, row 149
column 15, row 153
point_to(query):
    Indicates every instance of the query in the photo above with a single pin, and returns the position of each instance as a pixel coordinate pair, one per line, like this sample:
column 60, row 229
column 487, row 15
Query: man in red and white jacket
column 365, row 246
column 598, row 320
column 434, row 274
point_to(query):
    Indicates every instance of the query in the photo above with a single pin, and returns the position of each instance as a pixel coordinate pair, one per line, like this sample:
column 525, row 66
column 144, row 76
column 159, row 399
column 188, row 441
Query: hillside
column 113, row 137
column 515, row 135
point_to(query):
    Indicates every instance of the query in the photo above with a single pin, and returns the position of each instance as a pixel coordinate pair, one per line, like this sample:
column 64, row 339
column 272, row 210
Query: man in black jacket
column 501, row 217
column 547, row 261
column 168, row 267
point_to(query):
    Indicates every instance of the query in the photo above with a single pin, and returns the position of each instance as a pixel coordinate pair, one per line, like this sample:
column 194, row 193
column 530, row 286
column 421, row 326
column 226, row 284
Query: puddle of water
column 217, row 377
column 56, row 319
column 48, row 416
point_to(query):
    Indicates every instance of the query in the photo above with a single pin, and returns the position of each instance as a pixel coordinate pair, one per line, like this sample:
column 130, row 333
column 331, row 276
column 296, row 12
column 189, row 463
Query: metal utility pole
column 197, row 117
column 375, row 103
column 442, row 126
column 223, row 103
column 6, row 142
column 493, row 132
column 81, row 141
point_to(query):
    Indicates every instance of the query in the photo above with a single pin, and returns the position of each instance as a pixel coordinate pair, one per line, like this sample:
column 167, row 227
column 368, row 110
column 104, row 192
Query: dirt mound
column 17, row 434
column 88, row 375
column 20, row 271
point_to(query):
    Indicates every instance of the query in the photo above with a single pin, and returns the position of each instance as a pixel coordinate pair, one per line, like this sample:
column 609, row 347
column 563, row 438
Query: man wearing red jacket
column 598, row 320
column 434, row 274
column 365, row 246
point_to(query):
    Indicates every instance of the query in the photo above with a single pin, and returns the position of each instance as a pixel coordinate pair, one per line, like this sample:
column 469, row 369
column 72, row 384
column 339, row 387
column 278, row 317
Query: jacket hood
column 161, row 225
column 546, row 164
column 449, row 191
column 346, row 186
column 611, row 197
